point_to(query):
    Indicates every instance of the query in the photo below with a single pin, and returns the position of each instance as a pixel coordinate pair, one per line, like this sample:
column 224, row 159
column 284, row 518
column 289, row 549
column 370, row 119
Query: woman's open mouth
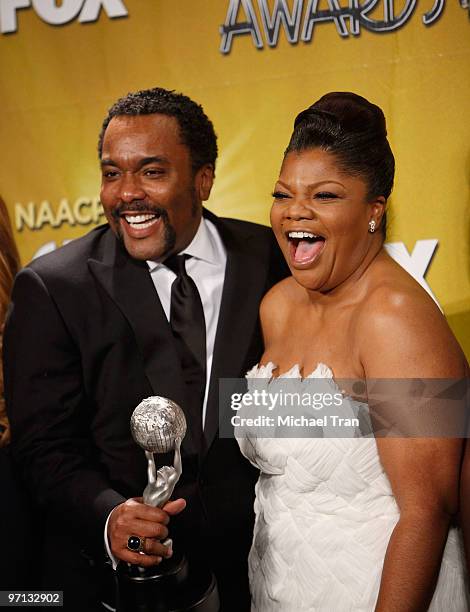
column 304, row 247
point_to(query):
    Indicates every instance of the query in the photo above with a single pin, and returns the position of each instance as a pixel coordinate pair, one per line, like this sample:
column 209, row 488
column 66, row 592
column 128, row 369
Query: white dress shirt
column 207, row 269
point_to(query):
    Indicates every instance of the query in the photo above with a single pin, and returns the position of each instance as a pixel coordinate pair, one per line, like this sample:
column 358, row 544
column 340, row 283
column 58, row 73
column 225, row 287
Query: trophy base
column 167, row 587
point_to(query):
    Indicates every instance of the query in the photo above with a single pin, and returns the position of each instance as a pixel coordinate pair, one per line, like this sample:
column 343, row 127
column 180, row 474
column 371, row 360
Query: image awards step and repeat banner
column 253, row 65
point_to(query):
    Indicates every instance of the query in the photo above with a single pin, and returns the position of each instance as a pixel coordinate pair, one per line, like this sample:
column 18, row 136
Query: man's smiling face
column 152, row 197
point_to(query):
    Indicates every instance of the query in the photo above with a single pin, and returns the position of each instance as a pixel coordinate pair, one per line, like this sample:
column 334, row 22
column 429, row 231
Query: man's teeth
column 141, row 221
column 302, row 235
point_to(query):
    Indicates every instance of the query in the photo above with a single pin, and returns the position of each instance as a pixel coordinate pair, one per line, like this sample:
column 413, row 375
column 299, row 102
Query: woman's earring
column 371, row 226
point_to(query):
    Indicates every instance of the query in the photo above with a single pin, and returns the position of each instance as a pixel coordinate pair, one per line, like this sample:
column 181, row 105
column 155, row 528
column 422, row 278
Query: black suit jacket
column 86, row 340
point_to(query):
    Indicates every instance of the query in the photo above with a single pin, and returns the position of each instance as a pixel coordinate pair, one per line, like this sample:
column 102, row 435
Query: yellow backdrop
column 63, row 63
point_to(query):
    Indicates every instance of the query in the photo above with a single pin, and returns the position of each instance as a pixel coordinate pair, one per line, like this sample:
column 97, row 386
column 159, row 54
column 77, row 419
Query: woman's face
column 320, row 217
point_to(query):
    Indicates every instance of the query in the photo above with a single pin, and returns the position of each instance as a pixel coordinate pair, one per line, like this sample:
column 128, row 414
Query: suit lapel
column 244, row 285
column 129, row 284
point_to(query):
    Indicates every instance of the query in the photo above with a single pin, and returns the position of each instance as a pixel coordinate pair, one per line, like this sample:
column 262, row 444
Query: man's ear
column 203, row 181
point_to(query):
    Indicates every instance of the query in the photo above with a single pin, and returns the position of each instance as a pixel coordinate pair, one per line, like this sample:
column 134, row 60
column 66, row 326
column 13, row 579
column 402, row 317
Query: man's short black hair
column 196, row 129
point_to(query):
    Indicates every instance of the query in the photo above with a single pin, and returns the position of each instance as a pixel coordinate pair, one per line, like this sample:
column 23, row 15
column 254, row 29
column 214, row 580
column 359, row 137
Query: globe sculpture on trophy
column 158, row 425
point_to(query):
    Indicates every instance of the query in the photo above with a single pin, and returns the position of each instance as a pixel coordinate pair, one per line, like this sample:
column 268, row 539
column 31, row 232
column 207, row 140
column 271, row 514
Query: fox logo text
column 58, row 13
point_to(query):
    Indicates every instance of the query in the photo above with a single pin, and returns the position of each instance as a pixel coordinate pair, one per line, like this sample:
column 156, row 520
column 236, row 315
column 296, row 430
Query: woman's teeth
column 302, row 235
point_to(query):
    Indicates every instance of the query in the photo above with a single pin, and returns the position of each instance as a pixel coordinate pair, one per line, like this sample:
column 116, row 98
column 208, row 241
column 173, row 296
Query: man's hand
column 134, row 518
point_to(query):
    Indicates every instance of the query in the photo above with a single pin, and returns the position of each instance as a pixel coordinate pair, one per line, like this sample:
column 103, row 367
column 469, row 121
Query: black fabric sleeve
column 48, row 410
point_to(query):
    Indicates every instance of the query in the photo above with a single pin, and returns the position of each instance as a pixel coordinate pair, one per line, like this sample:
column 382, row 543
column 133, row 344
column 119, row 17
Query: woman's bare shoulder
column 403, row 331
column 279, row 302
column 281, row 296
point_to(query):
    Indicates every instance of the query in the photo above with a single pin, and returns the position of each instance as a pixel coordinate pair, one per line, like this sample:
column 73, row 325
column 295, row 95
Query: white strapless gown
column 324, row 516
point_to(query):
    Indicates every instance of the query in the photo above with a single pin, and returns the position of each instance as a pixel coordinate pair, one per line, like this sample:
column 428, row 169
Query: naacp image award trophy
column 158, row 425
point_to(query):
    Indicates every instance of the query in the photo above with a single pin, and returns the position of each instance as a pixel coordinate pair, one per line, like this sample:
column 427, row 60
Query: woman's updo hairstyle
column 354, row 131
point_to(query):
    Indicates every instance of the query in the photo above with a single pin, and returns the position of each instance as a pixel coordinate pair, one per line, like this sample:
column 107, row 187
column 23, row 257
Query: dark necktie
column 189, row 331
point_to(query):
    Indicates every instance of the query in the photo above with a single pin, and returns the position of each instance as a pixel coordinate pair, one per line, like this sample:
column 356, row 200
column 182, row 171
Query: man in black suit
column 89, row 337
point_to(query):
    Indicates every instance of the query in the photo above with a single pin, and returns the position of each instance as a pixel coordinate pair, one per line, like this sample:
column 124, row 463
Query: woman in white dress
column 348, row 523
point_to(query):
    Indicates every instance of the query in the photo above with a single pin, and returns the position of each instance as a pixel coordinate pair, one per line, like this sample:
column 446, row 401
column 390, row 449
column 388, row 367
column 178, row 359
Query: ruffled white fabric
column 324, row 515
